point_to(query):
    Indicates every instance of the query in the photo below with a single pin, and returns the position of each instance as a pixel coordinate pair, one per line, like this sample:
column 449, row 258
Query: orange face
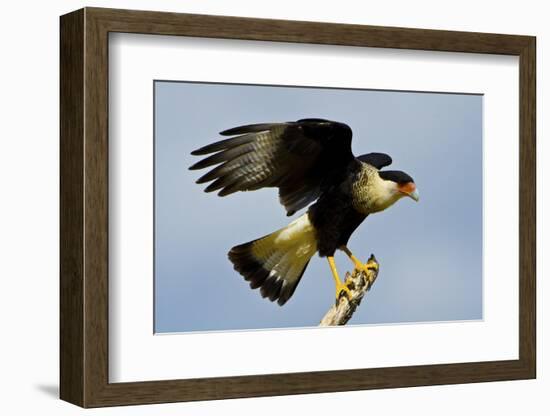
column 407, row 188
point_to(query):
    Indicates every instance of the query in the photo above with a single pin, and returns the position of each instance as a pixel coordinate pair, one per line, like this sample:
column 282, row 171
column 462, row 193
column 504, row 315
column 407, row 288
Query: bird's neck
column 371, row 193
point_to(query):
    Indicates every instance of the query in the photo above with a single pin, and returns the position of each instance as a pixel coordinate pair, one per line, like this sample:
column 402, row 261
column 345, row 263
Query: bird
column 311, row 163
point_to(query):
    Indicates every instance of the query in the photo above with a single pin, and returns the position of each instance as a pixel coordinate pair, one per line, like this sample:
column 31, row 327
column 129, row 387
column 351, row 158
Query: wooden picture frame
column 84, row 207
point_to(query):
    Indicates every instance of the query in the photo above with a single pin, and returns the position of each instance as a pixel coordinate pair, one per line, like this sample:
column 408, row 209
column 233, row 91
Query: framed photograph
column 254, row 207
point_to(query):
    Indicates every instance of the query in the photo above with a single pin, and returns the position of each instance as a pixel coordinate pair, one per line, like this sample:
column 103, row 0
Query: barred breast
column 361, row 188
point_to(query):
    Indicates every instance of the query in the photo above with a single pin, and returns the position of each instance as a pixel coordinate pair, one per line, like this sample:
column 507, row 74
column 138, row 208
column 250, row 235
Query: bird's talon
column 372, row 265
column 365, row 267
column 343, row 289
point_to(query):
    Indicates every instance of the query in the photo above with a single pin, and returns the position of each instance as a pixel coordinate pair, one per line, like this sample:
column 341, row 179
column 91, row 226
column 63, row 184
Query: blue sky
column 430, row 252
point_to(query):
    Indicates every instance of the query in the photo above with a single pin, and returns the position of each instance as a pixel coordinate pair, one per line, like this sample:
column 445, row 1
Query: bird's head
column 399, row 184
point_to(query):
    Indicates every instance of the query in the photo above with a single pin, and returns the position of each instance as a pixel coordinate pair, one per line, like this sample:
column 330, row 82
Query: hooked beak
column 414, row 195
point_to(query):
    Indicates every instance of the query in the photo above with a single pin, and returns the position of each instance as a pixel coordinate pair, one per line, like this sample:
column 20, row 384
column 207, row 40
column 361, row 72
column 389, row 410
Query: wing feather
column 378, row 160
column 224, row 144
column 297, row 157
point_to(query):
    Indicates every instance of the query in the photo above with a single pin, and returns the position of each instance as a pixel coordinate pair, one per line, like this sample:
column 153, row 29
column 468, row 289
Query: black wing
column 378, row 160
column 298, row 157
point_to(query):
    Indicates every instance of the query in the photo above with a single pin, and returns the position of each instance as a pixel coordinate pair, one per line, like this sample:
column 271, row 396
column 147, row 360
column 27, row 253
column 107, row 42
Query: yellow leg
column 339, row 285
column 359, row 265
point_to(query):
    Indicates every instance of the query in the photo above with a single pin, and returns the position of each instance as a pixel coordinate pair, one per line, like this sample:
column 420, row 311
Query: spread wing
column 299, row 158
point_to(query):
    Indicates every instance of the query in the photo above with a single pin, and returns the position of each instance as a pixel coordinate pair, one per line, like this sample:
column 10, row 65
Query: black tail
column 273, row 267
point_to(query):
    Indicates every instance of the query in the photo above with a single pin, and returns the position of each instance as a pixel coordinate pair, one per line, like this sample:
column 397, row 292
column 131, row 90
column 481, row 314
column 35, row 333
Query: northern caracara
column 308, row 160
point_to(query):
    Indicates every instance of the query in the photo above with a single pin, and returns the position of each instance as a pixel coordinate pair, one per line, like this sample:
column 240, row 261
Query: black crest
column 395, row 176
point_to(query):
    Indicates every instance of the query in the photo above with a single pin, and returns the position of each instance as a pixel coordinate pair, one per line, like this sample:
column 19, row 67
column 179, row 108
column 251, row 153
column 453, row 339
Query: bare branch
column 359, row 282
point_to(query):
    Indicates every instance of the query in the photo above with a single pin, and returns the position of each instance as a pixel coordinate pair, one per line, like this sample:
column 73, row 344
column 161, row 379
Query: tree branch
column 359, row 283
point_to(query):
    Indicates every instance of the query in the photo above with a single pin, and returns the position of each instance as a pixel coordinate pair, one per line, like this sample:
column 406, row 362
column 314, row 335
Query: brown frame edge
column 84, row 207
